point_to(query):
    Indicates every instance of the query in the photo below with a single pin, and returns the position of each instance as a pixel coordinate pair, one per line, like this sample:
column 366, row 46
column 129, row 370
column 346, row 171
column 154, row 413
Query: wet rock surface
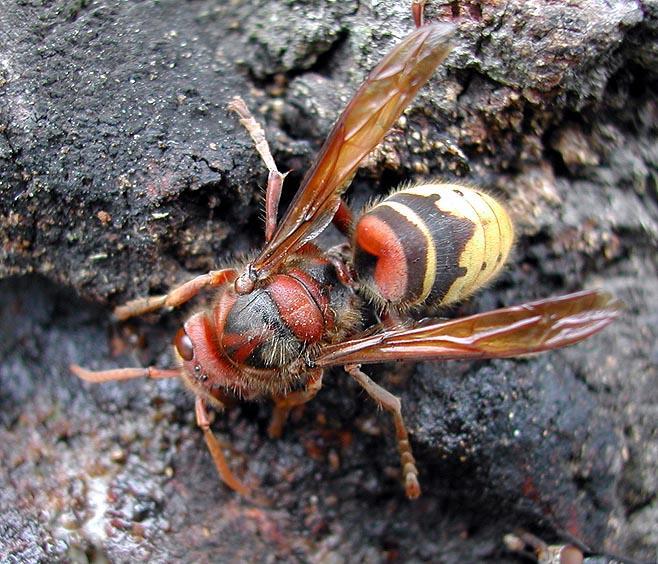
column 122, row 173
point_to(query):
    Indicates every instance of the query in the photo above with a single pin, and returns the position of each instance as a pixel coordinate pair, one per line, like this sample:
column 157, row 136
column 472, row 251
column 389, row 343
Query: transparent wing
column 513, row 331
column 370, row 114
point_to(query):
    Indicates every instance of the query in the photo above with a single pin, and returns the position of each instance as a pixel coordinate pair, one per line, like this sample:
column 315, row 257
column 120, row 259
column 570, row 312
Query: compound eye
column 183, row 344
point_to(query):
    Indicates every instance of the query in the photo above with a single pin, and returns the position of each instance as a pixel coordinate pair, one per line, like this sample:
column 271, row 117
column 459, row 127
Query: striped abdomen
column 434, row 244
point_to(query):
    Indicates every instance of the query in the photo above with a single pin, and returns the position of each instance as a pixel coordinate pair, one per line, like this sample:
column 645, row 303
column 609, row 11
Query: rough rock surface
column 121, row 173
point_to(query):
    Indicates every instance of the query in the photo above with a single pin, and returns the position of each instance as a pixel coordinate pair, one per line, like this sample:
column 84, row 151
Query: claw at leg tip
column 412, row 487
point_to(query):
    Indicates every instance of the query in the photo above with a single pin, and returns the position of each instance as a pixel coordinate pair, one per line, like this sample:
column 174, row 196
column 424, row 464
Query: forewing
column 514, row 331
column 370, row 114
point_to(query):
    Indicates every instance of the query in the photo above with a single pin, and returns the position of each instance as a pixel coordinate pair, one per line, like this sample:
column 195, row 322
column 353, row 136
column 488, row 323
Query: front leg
column 388, row 401
column 284, row 403
column 223, row 469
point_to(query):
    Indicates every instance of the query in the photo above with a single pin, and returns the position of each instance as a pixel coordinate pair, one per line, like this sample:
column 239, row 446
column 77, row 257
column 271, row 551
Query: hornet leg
column 418, row 11
column 215, row 448
column 274, row 178
column 99, row 376
column 177, row 296
column 392, row 404
column 285, row 403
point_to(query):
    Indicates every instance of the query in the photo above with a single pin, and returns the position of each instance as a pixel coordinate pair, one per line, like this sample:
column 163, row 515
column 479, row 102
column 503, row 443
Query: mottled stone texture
column 121, row 173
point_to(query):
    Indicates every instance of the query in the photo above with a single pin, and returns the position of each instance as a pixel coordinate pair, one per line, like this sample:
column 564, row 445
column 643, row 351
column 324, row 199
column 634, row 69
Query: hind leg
column 392, row 404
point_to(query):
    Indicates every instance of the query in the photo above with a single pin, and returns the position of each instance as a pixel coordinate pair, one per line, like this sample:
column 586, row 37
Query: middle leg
column 178, row 296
